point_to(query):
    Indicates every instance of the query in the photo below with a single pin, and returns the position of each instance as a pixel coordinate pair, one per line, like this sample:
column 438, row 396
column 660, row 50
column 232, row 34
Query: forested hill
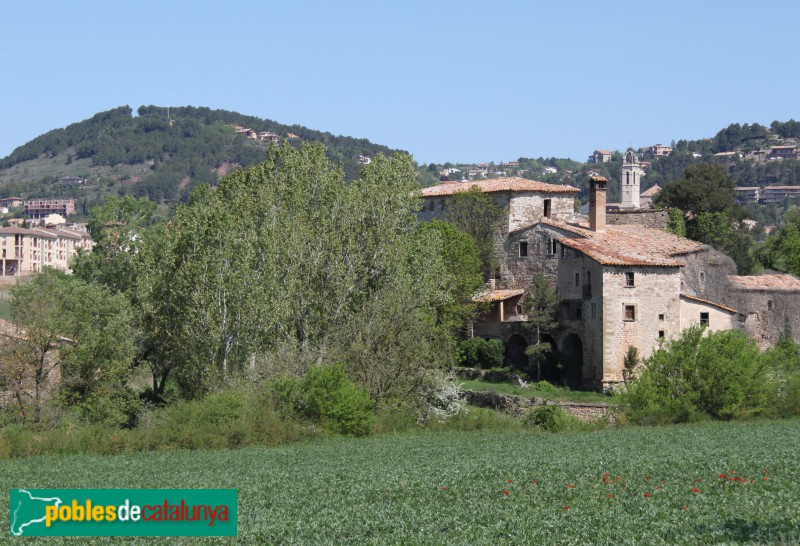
column 158, row 153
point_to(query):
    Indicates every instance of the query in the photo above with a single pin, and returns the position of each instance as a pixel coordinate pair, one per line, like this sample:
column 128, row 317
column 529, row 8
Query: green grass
column 557, row 394
column 449, row 487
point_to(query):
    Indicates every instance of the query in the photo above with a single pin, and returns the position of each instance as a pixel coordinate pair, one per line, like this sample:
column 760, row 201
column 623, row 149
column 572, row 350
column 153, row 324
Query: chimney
column 597, row 203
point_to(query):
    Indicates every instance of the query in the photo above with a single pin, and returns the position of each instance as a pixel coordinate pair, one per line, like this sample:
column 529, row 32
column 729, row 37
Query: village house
column 39, row 208
column 26, row 251
column 600, row 156
column 620, row 283
column 11, row 202
column 778, row 194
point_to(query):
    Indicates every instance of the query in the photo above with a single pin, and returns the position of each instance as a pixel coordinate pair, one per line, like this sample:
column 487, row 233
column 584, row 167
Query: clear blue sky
column 461, row 81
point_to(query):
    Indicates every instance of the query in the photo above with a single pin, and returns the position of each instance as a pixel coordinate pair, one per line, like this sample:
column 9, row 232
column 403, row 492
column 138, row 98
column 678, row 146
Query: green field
column 450, row 487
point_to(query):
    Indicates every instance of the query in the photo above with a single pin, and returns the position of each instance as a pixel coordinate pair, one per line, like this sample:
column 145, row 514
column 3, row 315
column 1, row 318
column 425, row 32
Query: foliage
column 677, row 222
column 540, row 308
column 326, row 395
column 441, row 398
column 729, row 236
column 476, row 213
column 554, row 419
column 703, row 188
column 478, row 352
column 78, row 329
column 782, row 250
column 783, row 363
column 288, row 252
column 463, row 271
column 181, row 149
column 720, row 375
column 629, row 364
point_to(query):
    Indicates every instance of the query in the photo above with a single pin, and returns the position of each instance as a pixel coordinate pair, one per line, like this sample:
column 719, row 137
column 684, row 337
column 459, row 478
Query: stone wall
column 649, row 218
column 705, row 275
column 768, row 314
column 520, row 405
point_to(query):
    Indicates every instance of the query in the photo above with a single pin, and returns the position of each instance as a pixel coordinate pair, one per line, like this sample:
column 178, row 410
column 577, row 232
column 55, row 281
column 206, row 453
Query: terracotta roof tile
column 498, row 295
column 492, row 185
column 628, row 245
column 774, row 282
column 709, row 302
column 652, row 192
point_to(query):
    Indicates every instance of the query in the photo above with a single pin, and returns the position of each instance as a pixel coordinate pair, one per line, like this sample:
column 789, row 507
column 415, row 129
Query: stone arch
column 631, row 157
column 515, row 352
column 548, row 369
column 572, row 361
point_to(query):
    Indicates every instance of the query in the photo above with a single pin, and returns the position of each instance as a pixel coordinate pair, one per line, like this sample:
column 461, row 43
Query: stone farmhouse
column 620, row 284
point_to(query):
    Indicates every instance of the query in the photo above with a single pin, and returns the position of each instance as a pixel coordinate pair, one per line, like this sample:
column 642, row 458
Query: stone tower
column 630, row 180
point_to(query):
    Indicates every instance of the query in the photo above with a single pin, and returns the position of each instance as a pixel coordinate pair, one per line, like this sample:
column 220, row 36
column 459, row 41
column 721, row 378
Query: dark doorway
column 515, row 352
column 548, row 368
column 572, row 361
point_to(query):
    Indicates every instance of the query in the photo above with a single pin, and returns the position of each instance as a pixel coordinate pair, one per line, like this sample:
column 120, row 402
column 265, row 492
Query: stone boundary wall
column 519, row 405
column 649, row 218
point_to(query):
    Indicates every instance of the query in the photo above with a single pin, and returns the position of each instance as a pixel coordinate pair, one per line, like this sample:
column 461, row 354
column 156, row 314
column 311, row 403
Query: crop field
column 706, row 483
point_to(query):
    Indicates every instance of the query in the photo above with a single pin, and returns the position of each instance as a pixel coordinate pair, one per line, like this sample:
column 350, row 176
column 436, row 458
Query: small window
column 553, row 248
column 661, row 334
column 769, row 305
column 547, row 208
column 704, row 319
column 588, row 278
column 629, row 278
column 661, row 317
column 523, row 249
column 594, row 310
column 520, row 310
column 577, row 279
column 630, row 312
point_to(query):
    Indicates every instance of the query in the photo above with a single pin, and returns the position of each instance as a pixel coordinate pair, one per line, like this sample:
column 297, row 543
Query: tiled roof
column 774, row 282
column 498, row 295
column 652, row 192
column 709, row 302
column 492, row 185
column 628, row 245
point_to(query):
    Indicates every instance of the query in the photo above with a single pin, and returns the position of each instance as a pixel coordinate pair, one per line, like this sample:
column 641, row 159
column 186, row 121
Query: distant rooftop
column 494, row 185
column 775, row 281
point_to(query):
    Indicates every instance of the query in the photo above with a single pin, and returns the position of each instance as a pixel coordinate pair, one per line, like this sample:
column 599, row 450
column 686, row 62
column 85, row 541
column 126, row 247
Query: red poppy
column 534, row 482
column 647, row 494
column 610, row 495
column 698, row 480
column 723, row 476
column 507, row 493
column 445, row 487
column 509, row 481
column 696, row 490
column 566, row 508
column 685, row 507
column 766, row 477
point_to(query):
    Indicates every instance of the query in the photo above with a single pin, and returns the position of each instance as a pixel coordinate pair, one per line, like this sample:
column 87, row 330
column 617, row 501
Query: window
column 769, row 302
column 553, row 248
column 661, row 317
column 661, row 334
column 523, row 249
column 594, row 310
column 578, row 313
column 520, row 311
column 704, row 319
column 588, row 278
column 547, row 208
column 497, row 274
column 577, row 279
column 629, row 278
column 630, row 312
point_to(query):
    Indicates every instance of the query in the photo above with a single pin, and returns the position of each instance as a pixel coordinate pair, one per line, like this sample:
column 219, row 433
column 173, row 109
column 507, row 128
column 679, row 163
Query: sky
column 459, row 81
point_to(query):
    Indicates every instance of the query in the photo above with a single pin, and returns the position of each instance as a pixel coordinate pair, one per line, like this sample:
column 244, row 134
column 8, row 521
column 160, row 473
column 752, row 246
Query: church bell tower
column 630, row 180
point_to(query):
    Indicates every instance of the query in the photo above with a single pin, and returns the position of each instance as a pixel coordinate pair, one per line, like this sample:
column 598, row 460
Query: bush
column 328, row 396
column 482, row 353
column 720, row 375
column 554, row 419
column 440, row 398
column 783, row 365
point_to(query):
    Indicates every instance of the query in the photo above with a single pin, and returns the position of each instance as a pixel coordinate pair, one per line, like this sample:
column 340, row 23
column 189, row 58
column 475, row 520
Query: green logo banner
column 123, row 512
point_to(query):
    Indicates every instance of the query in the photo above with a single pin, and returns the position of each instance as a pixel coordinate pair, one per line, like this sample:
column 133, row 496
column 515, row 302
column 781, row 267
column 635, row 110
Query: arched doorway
column 572, row 361
column 548, row 365
column 515, row 352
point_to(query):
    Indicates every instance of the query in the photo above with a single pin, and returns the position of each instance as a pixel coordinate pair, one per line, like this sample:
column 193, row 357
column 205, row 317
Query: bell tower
column 630, row 180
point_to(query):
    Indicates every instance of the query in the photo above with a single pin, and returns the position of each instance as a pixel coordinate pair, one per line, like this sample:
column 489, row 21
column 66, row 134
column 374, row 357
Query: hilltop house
column 619, row 285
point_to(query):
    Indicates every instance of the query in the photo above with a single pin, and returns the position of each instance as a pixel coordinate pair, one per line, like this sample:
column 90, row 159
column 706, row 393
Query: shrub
column 721, row 375
column 328, row 396
column 482, row 353
column 554, row 419
column 783, row 365
column 440, row 398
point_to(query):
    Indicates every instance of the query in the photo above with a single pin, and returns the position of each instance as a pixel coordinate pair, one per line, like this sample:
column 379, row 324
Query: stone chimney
column 597, row 203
